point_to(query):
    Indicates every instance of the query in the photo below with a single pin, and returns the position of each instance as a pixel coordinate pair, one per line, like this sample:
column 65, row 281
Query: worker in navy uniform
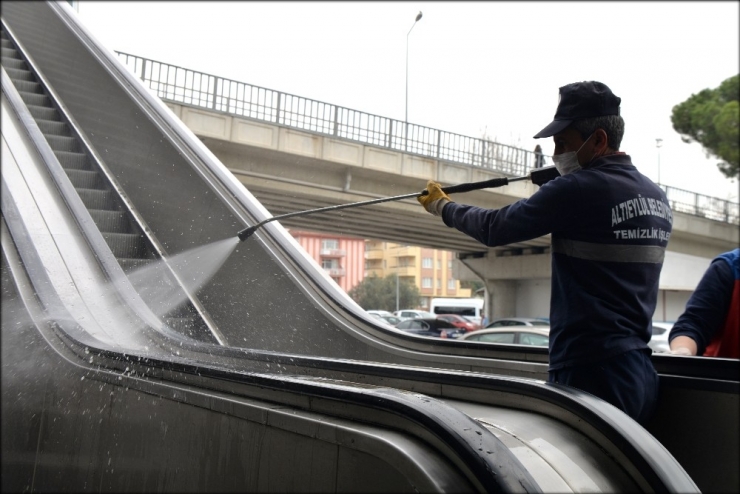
column 609, row 226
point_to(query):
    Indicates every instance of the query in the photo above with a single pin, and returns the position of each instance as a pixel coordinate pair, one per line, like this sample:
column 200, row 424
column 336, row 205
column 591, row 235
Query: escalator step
column 63, row 143
column 98, row 199
column 35, row 99
column 18, row 74
column 32, row 87
column 130, row 245
column 116, row 226
column 129, row 265
column 44, row 113
column 14, row 63
column 9, row 53
column 50, row 127
column 85, row 179
column 111, row 221
column 72, row 161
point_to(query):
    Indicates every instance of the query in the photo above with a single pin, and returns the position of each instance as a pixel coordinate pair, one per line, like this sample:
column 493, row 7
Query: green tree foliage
column 474, row 285
column 711, row 118
column 375, row 293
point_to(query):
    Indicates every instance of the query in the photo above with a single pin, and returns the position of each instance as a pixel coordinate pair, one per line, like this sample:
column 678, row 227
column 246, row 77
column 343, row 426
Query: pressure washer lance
column 538, row 176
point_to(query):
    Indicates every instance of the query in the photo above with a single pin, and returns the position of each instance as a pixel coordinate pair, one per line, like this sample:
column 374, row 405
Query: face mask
column 568, row 162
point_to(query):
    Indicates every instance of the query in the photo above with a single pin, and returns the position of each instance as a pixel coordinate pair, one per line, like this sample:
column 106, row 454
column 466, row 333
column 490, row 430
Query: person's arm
column 683, row 345
column 705, row 312
column 554, row 207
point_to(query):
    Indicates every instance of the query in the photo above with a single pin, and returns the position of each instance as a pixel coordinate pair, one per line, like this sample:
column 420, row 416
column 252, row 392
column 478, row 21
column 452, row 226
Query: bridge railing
column 181, row 85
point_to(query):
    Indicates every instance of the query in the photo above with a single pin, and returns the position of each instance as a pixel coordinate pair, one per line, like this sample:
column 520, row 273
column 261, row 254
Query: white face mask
column 568, row 162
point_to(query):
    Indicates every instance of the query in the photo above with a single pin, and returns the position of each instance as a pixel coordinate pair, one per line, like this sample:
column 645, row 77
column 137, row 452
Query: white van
column 469, row 308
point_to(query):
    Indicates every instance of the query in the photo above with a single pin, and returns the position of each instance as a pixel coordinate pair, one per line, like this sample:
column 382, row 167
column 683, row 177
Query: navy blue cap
column 581, row 100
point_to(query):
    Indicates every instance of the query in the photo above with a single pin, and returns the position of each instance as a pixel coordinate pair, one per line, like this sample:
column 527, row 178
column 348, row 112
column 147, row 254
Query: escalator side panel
column 72, row 427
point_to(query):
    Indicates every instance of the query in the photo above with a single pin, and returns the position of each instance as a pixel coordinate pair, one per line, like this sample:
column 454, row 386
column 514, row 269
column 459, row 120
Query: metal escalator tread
column 26, row 85
column 35, row 99
column 63, row 143
column 97, row 199
column 19, row 74
column 10, row 53
column 51, row 127
column 72, row 161
column 129, row 245
column 120, row 232
column 14, row 63
column 111, row 221
column 43, row 112
column 85, row 179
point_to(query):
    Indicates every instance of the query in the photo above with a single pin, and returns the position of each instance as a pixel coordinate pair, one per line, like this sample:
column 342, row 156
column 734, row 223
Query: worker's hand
column 435, row 201
column 683, row 345
column 682, row 350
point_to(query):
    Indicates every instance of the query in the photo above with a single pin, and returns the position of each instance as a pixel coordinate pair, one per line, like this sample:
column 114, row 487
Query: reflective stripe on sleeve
column 609, row 252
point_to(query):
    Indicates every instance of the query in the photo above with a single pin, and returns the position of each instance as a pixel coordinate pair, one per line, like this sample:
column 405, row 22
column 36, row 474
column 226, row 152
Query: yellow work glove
column 435, row 201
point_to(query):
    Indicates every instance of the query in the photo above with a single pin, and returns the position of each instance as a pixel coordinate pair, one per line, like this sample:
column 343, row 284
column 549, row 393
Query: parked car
column 391, row 319
column 430, row 326
column 518, row 321
column 459, row 321
column 413, row 314
column 659, row 340
column 379, row 312
column 518, row 335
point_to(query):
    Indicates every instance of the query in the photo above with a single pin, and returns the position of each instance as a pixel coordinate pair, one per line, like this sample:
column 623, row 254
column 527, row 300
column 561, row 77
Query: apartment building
column 347, row 260
column 428, row 269
column 341, row 257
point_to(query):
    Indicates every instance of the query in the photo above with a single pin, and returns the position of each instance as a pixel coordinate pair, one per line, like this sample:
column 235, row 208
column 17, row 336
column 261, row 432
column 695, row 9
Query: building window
column 426, row 262
column 406, row 262
column 439, row 283
column 449, row 264
column 426, row 283
column 424, row 302
column 439, row 264
column 451, row 284
column 329, row 263
column 329, row 244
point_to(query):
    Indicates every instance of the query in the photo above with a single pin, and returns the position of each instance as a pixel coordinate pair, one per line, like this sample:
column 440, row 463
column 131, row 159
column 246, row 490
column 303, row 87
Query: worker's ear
column 601, row 142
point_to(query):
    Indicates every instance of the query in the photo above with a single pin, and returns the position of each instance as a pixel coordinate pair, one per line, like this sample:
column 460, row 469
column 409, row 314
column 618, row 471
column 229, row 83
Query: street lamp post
column 406, row 118
column 658, row 144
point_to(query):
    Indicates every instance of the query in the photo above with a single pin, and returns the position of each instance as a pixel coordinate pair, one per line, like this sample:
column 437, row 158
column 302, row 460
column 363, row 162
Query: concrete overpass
column 294, row 154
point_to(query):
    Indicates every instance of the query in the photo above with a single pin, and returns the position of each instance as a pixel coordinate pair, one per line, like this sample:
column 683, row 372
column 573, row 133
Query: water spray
column 539, row 176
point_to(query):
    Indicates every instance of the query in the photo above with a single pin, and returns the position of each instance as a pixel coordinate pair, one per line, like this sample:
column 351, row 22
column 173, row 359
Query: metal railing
column 180, row 85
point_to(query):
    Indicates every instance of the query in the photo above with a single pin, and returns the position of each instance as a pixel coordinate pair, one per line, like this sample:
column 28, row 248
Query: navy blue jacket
column 610, row 226
column 709, row 305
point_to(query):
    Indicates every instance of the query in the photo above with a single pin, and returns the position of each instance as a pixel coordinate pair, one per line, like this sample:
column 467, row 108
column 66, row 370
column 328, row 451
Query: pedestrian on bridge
column 609, row 226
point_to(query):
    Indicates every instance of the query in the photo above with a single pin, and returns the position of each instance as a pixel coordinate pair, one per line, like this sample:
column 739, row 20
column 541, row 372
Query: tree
column 378, row 293
column 711, row 118
column 474, row 285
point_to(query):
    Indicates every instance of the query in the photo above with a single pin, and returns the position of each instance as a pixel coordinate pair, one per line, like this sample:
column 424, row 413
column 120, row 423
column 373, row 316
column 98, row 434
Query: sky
column 474, row 68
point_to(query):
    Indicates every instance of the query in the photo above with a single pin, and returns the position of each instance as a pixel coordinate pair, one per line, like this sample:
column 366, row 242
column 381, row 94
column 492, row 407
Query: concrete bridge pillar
column 502, row 296
column 509, row 280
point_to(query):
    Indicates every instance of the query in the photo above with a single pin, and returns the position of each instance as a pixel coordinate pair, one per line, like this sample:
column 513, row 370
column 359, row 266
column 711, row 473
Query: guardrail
column 181, row 85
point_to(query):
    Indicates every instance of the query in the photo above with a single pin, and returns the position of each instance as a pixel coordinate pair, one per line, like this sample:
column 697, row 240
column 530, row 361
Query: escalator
column 114, row 220
column 268, row 360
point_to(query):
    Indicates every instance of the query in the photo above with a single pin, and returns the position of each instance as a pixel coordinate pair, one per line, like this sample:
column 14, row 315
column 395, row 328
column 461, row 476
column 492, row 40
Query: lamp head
column 418, row 16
